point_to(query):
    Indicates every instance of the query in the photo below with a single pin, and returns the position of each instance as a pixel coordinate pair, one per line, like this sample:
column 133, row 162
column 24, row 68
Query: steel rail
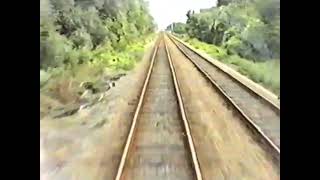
column 275, row 150
column 269, row 102
column 195, row 160
column 136, row 114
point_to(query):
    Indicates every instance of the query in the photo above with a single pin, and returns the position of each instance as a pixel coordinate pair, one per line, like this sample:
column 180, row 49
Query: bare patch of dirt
column 47, row 104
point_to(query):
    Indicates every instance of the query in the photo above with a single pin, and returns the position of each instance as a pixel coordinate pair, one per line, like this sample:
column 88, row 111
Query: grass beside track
column 266, row 73
column 62, row 84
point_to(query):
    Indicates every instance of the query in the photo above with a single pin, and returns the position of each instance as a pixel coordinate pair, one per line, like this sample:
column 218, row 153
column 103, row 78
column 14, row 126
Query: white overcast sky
column 165, row 12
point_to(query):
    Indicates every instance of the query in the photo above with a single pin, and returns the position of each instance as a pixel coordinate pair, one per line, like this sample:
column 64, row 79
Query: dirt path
column 224, row 146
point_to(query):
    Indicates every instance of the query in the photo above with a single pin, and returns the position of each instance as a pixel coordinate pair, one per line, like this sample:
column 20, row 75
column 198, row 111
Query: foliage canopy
column 248, row 28
column 72, row 30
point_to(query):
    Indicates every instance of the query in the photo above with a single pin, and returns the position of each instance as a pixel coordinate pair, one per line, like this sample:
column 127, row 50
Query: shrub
column 54, row 49
column 250, row 29
column 81, row 39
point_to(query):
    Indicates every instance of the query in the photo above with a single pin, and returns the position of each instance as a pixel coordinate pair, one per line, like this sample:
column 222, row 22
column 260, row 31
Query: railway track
column 159, row 144
column 260, row 114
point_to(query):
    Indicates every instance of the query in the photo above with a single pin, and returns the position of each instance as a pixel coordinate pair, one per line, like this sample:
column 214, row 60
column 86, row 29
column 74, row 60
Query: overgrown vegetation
column 177, row 27
column 242, row 33
column 83, row 40
column 74, row 32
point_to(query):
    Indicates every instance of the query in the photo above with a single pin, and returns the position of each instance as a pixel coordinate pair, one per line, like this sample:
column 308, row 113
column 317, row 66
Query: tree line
column 248, row 28
column 70, row 30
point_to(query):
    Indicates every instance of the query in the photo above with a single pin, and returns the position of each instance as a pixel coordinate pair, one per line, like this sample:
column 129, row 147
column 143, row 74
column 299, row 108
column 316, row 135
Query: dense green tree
column 179, row 28
column 69, row 28
column 62, row 5
column 249, row 28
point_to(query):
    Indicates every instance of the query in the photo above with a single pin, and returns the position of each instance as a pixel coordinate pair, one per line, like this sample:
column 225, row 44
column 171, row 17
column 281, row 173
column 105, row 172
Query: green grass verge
column 266, row 73
column 102, row 60
column 63, row 83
